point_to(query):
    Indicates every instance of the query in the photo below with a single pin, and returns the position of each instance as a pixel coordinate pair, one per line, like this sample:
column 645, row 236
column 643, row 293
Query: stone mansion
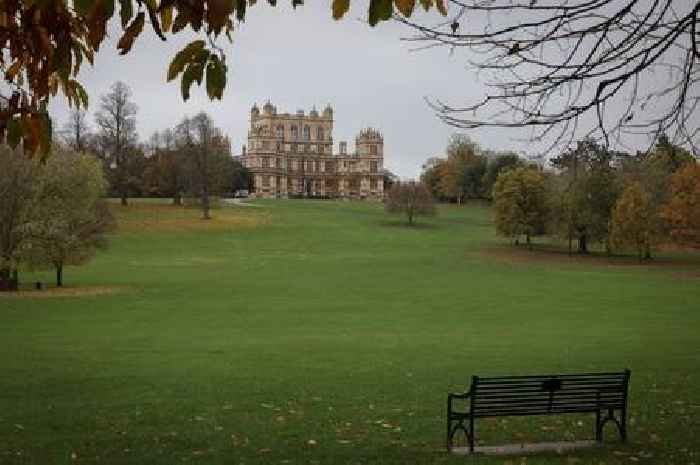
column 292, row 156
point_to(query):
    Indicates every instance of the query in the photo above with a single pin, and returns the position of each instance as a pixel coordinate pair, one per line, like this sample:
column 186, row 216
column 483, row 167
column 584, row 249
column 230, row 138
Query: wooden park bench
column 604, row 394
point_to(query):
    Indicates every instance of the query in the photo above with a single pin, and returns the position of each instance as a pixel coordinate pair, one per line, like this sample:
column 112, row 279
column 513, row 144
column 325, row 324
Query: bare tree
column 410, row 198
column 116, row 119
column 206, row 155
column 569, row 69
column 77, row 130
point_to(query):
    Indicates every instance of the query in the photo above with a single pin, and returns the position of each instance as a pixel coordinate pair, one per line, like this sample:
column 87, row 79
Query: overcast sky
column 298, row 59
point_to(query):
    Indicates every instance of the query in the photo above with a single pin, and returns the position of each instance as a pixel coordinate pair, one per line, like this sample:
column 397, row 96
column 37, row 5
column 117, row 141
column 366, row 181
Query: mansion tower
column 292, row 156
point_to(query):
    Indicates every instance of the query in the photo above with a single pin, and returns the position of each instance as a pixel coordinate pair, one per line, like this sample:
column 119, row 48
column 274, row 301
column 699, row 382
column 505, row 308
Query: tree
column 166, row 172
column 520, row 203
column 498, row 163
column 682, row 211
column 208, row 154
column 69, row 220
column 565, row 68
column 434, row 170
column 389, row 179
column 410, row 198
column 241, row 178
column 116, row 119
column 584, row 194
column 77, row 130
column 634, row 221
column 17, row 192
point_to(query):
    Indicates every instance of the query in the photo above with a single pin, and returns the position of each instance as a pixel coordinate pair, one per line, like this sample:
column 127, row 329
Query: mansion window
column 309, row 166
column 307, row 133
column 316, row 166
column 307, row 148
column 295, row 131
column 373, row 184
column 373, row 167
column 291, row 164
column 279, row 146
column 373, row 149
column 329, row 166
column 293, row 147
column 280, row 131
column 319, row 134
column 266, row 145
column 320, row 149
column 266, row 181
column 278, row 163
column 265, row 162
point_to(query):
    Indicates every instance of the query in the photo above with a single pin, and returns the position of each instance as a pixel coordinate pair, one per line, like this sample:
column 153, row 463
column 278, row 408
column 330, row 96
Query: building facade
column 291, row 155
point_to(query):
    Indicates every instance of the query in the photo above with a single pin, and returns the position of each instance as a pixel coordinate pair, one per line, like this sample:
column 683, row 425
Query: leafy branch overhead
column 44, row 44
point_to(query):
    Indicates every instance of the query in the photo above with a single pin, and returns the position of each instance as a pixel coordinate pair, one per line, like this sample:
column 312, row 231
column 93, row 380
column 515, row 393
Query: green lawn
column 243, row 339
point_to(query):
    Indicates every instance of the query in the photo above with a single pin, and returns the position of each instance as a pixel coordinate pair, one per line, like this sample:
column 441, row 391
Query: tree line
column 191, row 161
column 621, row 201
column 588, row 195
column 468, row 171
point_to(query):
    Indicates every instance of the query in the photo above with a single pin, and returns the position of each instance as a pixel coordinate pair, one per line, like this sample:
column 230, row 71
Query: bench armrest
column 451, row 396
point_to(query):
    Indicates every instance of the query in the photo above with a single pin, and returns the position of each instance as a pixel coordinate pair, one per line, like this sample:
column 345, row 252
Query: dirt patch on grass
column 679, row 266
column 139, row 217
column 52, row 292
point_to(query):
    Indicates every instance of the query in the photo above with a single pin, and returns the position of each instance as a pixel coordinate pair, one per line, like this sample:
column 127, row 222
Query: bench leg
column 598, row 427
column 471, row 435
column 623, row 425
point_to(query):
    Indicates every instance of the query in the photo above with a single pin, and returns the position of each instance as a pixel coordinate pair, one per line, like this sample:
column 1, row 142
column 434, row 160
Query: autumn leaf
column 405, row 6
column 166, row 18
column 216, row 78
column 183, row 57
column 340, row 7
column 379, row 10
column 131, row 33
column 125, row 12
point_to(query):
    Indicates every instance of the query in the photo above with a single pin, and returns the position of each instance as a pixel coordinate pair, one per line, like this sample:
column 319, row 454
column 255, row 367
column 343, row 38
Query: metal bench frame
column 604, row 394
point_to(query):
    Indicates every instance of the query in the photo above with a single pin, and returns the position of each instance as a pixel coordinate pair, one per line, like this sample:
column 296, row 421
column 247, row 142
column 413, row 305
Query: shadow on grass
column 403, row 224
column 681, row 263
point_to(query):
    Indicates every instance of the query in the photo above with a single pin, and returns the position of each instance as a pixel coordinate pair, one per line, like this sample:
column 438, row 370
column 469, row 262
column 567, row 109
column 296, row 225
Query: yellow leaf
column 13, row 70
column 441, row 7
column 340, row 7
column 405, row 6
column 166, row 18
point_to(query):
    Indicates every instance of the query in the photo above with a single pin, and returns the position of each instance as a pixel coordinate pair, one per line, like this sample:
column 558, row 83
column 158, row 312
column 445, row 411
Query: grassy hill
column 326, row 332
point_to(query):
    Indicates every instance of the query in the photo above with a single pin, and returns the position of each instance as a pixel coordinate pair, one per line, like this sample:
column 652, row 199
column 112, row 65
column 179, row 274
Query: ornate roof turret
column 269, row 109
column 370, row 134
column 255, row 111
column 328, row 111
column 314, row 112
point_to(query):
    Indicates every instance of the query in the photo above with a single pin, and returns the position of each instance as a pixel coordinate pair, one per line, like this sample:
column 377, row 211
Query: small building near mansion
column 291, row 155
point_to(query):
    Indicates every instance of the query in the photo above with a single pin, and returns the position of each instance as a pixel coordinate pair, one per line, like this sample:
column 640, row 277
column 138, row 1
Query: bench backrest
column 548, row 394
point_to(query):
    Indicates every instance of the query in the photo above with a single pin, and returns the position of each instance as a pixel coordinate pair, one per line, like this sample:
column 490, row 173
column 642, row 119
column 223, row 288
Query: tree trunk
column 177, row 199
column 59, row 275
column 527, row 240
column 14, row 280
column 124, row 199
column 582, row 244
column 8, row 279
column 205, row 205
